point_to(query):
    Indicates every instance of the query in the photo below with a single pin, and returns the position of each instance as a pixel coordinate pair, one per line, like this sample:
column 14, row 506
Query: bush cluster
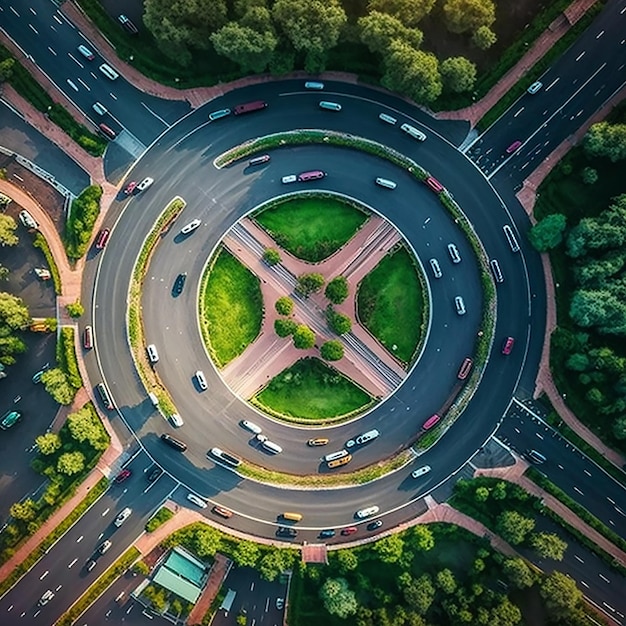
column 79, row 226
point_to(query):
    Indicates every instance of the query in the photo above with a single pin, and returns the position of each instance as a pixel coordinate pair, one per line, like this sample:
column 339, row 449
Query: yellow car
column 319, row 441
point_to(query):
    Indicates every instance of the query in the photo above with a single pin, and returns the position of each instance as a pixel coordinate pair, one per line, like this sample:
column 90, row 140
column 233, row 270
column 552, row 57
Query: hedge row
column 66, row 357
column 79, row 227
column 41, row 243
column 161, row 516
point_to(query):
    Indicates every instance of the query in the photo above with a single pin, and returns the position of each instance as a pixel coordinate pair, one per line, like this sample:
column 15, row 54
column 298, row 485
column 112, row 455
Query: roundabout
column 181, row 162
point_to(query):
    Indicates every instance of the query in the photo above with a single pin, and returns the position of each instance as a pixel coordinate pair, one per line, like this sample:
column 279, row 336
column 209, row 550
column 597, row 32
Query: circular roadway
column 182, row 164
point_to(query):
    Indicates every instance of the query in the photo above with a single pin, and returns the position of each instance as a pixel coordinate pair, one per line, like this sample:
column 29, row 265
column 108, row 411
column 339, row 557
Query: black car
column 174, row 443
column 179, row 283
column 374, row 525
column 154, row 473
column 285, row 531
column 327, row 533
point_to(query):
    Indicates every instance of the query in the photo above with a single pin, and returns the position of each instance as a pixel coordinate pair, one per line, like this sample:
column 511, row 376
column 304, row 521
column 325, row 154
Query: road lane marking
column 51, row 50
column 582, row 582
column 72, row 563
column 538, row 435
column 578, row 558
column 44, row 575
column 611, row 501
column 14, row 11
column 604, row 578
column 35, row 12
column 59, row 587
column 579, row 491
column 84, row 84
column 79, row 539
column 105, row 512
column 600, row 34
column 57, row 19
column 587, row 472
column 33, row 29
column 580, row 56
column 69, row 54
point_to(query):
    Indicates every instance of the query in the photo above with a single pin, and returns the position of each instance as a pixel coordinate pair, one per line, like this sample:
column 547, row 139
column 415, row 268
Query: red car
column 434, row 184
column 130, row 187
column 349, row 531
column 102, row 238
column 513, row 147
column 123, row 475
column 507, row 345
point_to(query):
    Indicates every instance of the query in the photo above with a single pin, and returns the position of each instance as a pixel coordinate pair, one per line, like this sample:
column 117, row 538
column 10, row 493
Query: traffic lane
column 62, row 569
column 568, row 468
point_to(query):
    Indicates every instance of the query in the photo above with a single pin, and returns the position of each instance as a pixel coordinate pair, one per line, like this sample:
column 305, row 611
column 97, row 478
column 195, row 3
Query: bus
column 249, row 107
column 104, row 396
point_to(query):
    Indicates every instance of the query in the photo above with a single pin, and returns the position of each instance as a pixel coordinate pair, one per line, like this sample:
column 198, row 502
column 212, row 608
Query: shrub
column 284, row 328
column 338, row 322
column 284, row 305
column 75, row 309
column 332, row 350
column 161, row 516
column 83, row 215
column 309, row 283
column 303, row 337
column 271, row 256
column 337, row 290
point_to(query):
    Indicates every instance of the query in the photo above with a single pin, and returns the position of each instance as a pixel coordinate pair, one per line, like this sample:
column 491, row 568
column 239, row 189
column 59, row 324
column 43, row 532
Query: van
column 217, row 114
column 465, row 369
column 104, row 396
column 88, row 338
column 292, row 517
column 536, row 457
column 106, row 130
column 434, row 264
column 460, row 305
column 368, row 436
column 272, row 447
column 413, row 132
column 154, row 400
column 108, row 71
column 510, row 237
column 100, row 109
column 497, row 272
column 311, row 84
column 385, row 182
column 330, row 106
column 339, row 462
column 335, row 455
column 387, row 118
column 153, row 355
column 181, row 446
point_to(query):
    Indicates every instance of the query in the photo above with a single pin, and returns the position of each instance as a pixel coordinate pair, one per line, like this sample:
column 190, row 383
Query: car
column 387, row 118
column 192, row 497
column 100, row 109
column 367, row 512
column 363, row 438
column 222, row 511
column 201, row 380
column 153, row 355
column 217, row 114
column 303, row 177
column 261, row 438
column 535, row 87
column 330, row 106
column 431, row 421
column 122, row 517
column 172, row 442
column 46, row 597
column 37, row 377
column 280, row 603
column 513, row 147
column 251, row 426
column 465, row 368
column 507, row 345
column 497, row 272
column 189, row 228
column 535, row 457
column 421, row 471
column 86, row 52
column 311, row 84
column 374, row 525
column 291, row 178
column 318, row 441
column 176, row 420
column 270, row 446
column 434, row 265
column 350, row 530
column 510, row 237
column 413, row 132
column 107, row 130
column 330, row 532
column 88, row 338
column 179, row 284
column 104, row 547
column 10, row 418
column 91, row 563
column 28, row 221
column 459, row 303
column 385, row 182
column 127, row 24
column 286, row 531
column 434, row 184
column 130, row 188
column 264, row 158
column 154, row 473
column 145, row 183
column 344, row 460
column 125, row 474
column 453, row 251
column 102, row 238
column 225, row 457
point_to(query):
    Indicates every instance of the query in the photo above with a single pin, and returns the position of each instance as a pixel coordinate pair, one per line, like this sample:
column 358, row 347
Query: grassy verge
column 517, row 51
column 66, row 357
column 79, row 226
column 99, row 587
column 539, row 479
column 159, row 518
column 311, row 228
column 41, row 243
column 134, row 321
column 96, row 491
column 231, row 307
column 22, row 81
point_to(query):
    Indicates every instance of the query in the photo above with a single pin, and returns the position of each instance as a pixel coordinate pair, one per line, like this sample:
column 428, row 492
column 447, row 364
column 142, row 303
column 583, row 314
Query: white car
column 28, row 220
column 188, row 228
column 251, row 426
column 292, row 178
column 368, row 512
column 421, row 471
column 46, row 597
column 145, row 183
column 192, row 497
column 280, row 603
column 122, row 517
column 200, row 378
column 434, row 264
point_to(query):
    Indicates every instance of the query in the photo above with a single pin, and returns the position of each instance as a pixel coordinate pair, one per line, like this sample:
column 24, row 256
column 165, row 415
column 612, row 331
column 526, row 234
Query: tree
column 548, row 545
column 518, row 573
column 332, row 350
column 409, row 12
column 337, row 290
column 619, row 427
column 84, row 426
column 599, row 308
column 24, row 511
column 606, row 140
column 48, row 443
column 56, row 384
column 484, row 38
column 560, row 594
column 462, row 16
column 251, row 49
column 347, row 560
column 309, row 283
column 411, row 72
column 337, row 597
column 284, row 328
column 589, row 175
column 8, row 227
column 9, row 346
column 420, row 594
column 271, row 256
column 445, row 581
column 71, row 463
column 377, row 30
column 481, row 494
column 547, row 233
column 6, row 69
column 206, row 541
column 75, row 309
column 338, row 322
column 458, row 74
column 303, row 337
column 246, row 553
column 274, row 563
column 389, row 549
column 13, row 312
column 421, row 538
column 513, row 527
column 284, row 305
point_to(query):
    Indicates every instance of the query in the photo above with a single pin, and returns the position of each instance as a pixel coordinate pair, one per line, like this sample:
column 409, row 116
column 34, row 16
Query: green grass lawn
column 312, row 228
column 390, row 304
column 309, row 389
column 231, row 308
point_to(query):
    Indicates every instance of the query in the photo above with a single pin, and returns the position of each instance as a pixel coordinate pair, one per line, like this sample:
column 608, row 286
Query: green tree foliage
column 548, row 545
column 619, row 427
column 271, row 256
column 389, row 549
column 445, row 581
column 377, row 30
column 561, row 595
column 284, row 305
column 303, row 337
column 6, row 69
column 84, row 425
column 274, row 563
column 75, row 309
column 600, row 308
column 420, row 594
column 57, row 385
column 13, row 312
column 458, row 74
column 48, row 443
column 71, row 463
column 251, row 49
column 206, row 541
column 347, row 560
column 285, row 327
column 513, row 527
column 421, row 538
column 462, row 16
column 484, row 38
column 411, row 72
column 8, row 226
column 332, row 350
column 547, row 233
column 338, row 598
column 409, row 12
column 338, row 322
column 79, row 226
column 337, row 290
column 24, row 511
column 589, row 175
column 606, row 140
column 309, row 283
column 518, row 573
column 246, row 553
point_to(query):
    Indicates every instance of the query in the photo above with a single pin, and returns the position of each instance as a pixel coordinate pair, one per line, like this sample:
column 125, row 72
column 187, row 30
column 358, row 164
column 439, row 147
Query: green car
column 9, row 419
